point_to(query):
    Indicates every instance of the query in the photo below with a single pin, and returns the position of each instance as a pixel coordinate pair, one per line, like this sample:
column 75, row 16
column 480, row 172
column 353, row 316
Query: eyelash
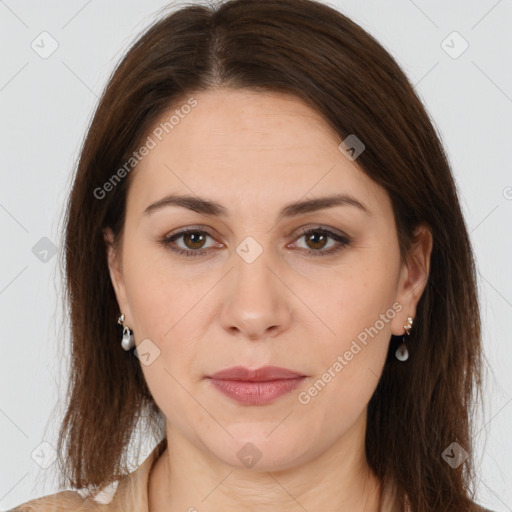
column 343, row 241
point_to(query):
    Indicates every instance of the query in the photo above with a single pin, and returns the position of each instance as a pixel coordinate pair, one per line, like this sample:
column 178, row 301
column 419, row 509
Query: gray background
column 46, row 104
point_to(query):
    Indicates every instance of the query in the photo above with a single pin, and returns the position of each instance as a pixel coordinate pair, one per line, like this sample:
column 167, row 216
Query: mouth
column 256, row 387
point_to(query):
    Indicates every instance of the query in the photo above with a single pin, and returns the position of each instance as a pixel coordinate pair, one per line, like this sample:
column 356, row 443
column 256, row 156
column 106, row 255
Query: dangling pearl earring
column 402, row 354
column 128, row 341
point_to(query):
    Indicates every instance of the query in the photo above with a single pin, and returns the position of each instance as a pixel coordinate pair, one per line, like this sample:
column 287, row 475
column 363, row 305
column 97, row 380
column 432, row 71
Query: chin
column 255, row 449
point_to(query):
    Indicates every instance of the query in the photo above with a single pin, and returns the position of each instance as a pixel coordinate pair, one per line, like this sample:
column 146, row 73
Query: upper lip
column 262, row 374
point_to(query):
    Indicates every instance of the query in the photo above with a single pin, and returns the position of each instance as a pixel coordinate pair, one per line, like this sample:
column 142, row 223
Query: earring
column 402, row 354
column 128, row 341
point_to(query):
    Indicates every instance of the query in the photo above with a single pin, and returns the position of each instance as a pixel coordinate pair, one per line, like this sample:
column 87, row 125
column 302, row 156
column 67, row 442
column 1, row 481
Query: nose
column 256, row 301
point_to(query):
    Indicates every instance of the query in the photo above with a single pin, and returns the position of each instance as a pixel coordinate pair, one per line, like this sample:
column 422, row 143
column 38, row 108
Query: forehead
column 253, row 122
column 236, row 144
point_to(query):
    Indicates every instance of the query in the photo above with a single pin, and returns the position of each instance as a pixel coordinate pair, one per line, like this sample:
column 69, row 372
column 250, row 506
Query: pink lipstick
column 256, row 387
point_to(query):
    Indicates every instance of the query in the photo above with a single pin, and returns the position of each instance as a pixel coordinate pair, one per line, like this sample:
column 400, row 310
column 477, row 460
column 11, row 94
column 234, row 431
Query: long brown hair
column 310, row 50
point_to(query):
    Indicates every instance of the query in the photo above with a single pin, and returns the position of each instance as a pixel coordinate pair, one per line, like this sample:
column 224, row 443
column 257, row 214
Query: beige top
column 129, row 494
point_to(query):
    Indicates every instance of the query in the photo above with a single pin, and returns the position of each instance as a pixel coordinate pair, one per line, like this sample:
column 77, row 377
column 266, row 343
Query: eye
column 193, row 239
column 317, row 238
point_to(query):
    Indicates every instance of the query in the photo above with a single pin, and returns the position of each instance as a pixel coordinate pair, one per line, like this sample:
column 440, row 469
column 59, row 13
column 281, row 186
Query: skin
column 255, row 152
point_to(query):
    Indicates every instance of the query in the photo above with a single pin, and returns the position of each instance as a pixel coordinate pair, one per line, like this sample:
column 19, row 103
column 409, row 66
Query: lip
column 256, row 387
column 265, row 373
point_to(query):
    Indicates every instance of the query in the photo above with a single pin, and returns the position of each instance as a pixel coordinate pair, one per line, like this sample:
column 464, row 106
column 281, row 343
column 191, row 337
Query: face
column 318, row 291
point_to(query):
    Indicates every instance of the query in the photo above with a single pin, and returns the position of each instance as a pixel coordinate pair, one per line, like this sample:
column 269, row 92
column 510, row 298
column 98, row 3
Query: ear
column 116, row 275
column 413, row 277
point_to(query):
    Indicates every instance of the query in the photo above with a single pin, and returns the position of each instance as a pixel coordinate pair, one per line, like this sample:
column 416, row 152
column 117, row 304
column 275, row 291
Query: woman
column 263, row 210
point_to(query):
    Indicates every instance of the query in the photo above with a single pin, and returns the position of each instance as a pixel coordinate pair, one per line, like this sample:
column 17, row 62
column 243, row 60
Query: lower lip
column 256, row 393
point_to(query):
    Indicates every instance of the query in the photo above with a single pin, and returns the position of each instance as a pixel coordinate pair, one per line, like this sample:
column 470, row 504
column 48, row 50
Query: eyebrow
column 210, row 207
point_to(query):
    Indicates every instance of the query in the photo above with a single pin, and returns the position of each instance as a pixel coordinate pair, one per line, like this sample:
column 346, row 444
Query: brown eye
column 317, row 240
column 194, row 239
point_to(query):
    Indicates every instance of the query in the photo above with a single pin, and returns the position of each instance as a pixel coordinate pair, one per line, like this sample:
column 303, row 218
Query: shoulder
column 63, row 501
column 126, row 494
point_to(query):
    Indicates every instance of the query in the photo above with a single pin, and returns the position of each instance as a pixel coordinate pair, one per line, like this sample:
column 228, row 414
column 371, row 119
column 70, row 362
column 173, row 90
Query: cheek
column 162, row 309
column 351, row 353
column 349, row 365
column 157, row 291
column 352, row 300
column 164, row 302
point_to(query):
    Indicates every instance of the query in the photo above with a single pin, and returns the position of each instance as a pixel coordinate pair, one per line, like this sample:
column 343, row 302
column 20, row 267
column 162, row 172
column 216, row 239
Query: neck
column 187, row 478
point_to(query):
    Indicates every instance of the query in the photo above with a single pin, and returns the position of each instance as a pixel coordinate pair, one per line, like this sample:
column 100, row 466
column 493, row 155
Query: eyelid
column 319, row 227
